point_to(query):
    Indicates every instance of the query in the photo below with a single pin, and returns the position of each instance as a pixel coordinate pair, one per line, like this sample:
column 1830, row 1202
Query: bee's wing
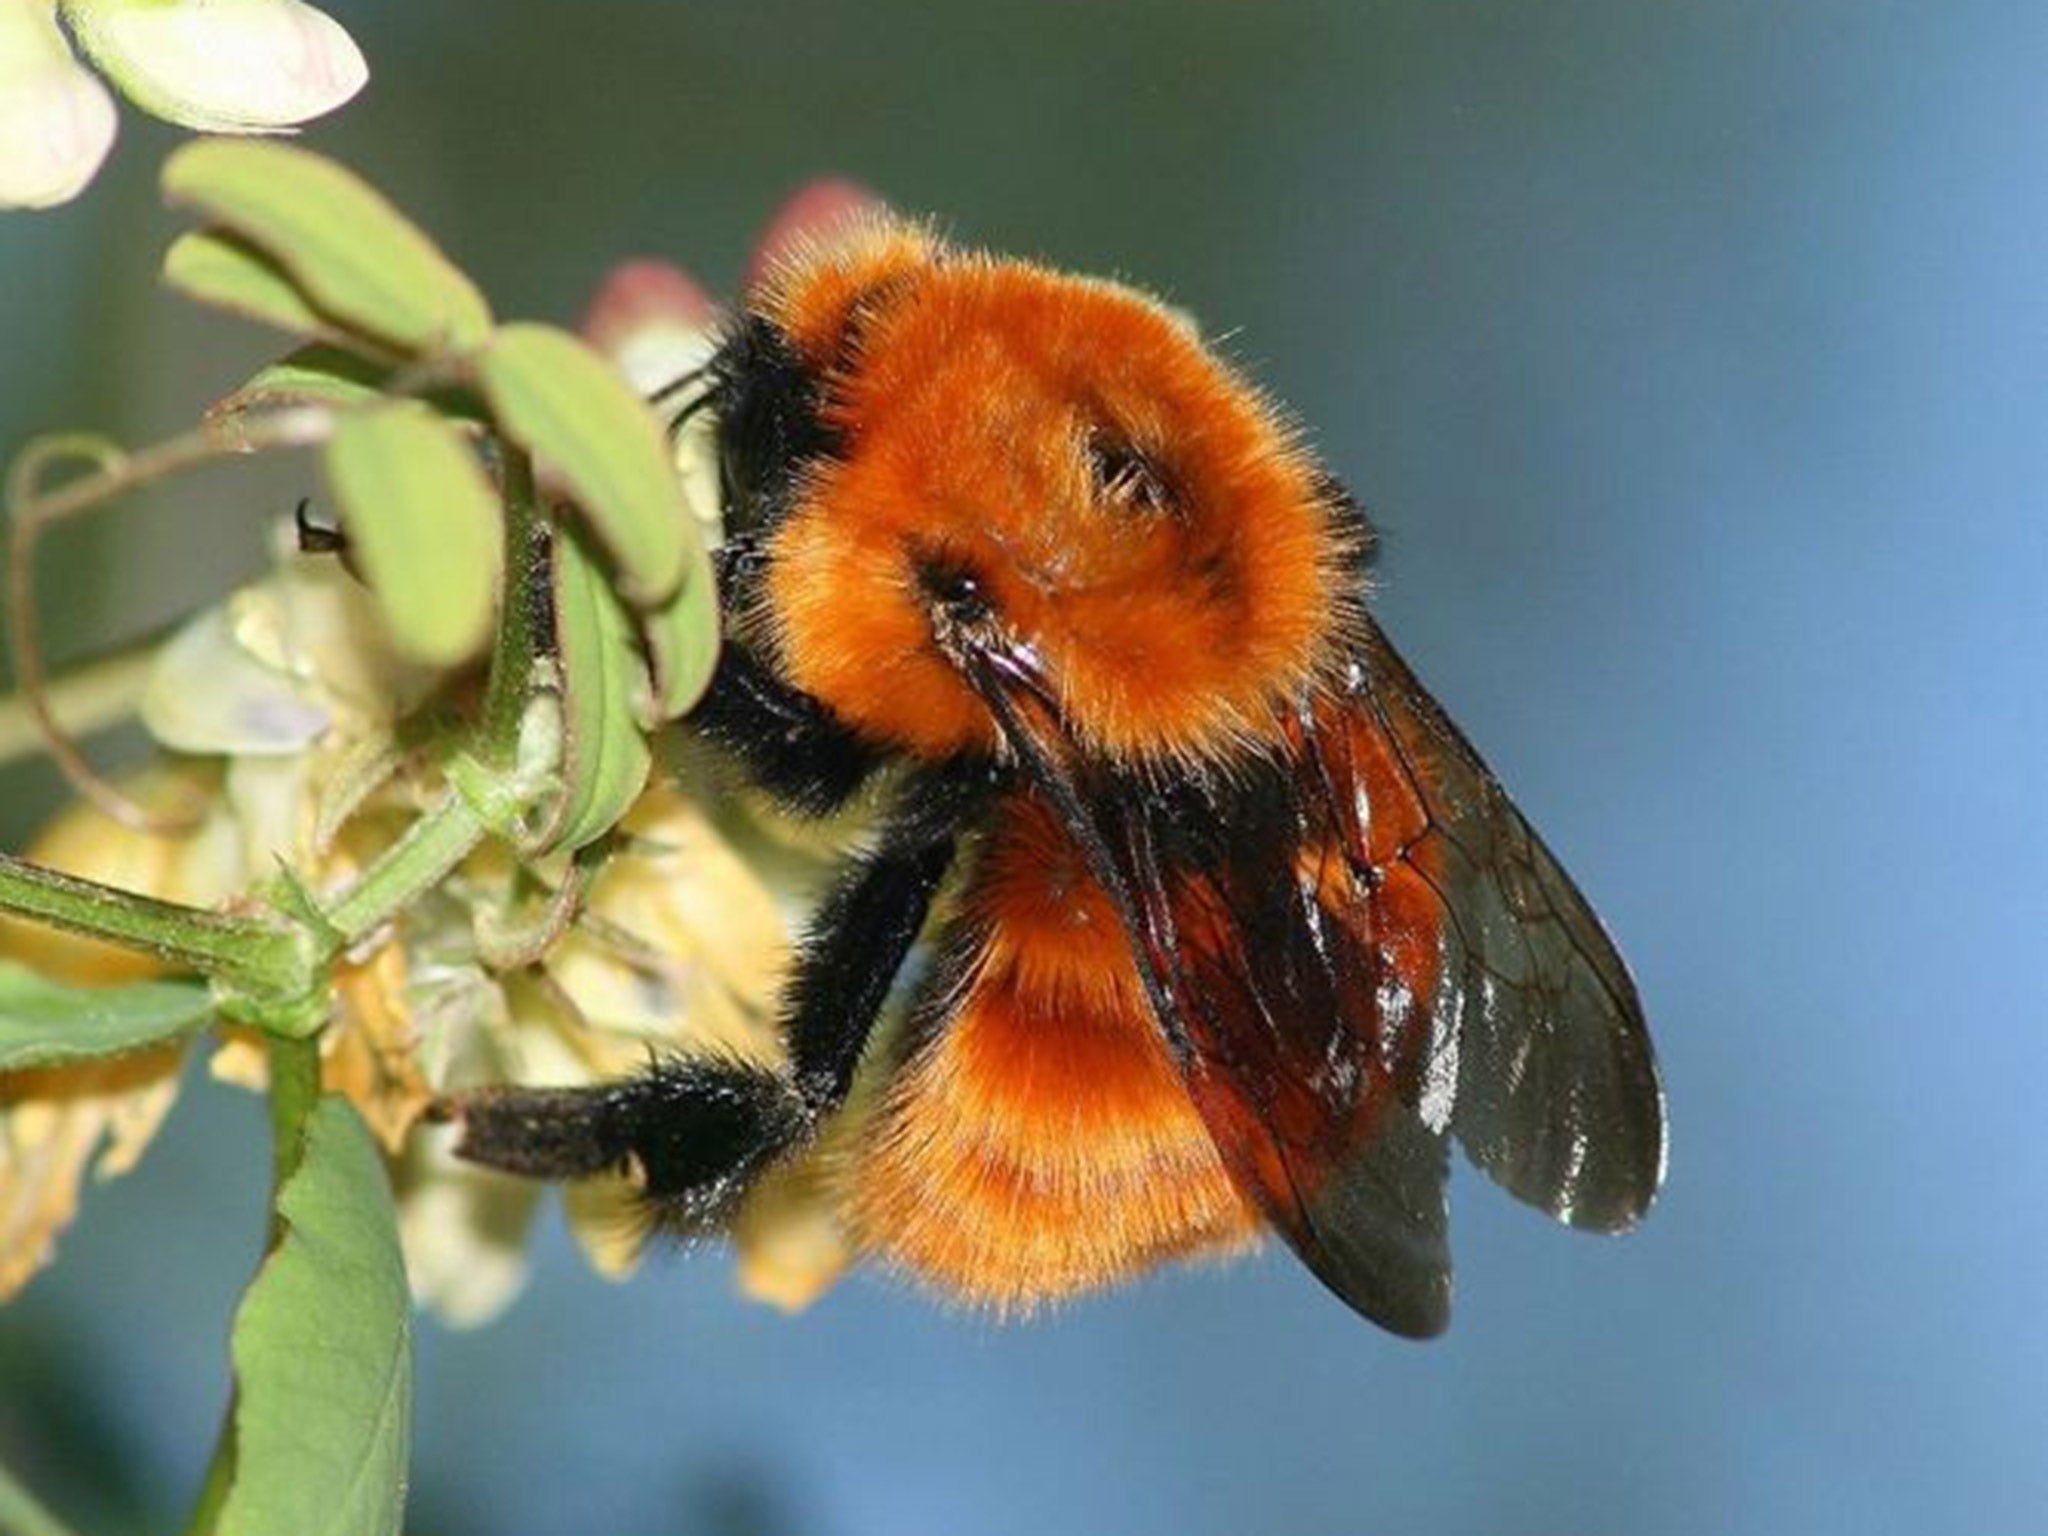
column 1374, row 952
column 1557, row 1096
column 1296, row 1055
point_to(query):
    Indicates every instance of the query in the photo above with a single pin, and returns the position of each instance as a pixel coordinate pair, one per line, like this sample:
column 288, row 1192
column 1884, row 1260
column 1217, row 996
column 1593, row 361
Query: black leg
column 790, row 744
column 698, row 1130
column 855, row 947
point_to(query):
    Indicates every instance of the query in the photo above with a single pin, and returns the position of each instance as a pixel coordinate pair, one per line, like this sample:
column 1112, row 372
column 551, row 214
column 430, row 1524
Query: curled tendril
column 33, row 505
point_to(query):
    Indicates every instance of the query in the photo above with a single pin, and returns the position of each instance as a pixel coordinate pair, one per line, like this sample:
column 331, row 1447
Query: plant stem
column 431, row 847
column 248, row 954
column 493, row 784
column 519, row 614
column 511, row 940
column 21, row 1514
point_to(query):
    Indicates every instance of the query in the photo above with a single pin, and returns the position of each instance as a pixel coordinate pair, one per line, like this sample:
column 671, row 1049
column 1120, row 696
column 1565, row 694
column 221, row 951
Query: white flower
column 56, row 120
column 224, row 66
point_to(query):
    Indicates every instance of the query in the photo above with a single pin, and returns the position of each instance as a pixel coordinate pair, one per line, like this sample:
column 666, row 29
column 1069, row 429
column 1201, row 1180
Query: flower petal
column 790, row 1240
column 686, row 947
column 225, row 66
column 207, row 693
column 201, row 866
column 56, row 121
column 371, row 1060
column 53, row 1122
column 652, row 319
column 278, row 666
column 606, row 1219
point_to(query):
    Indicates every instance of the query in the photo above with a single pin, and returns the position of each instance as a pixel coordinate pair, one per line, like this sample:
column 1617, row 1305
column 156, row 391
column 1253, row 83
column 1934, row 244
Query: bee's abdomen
column 1038, row 1141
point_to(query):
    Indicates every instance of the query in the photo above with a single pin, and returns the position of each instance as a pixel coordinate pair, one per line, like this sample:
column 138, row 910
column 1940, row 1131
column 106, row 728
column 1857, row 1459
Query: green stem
column 512, row 940
column 248, row 954
column 519, row 618
column 492, row 786
column 21, row 1514
column 431, row 847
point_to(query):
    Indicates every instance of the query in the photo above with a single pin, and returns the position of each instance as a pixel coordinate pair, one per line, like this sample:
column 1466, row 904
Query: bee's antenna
column 677, row 385
column 674, row 387
column 682, row 418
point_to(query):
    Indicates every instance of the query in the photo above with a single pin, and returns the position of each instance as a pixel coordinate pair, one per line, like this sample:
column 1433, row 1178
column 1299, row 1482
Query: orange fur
column 813, row 292
column 968, row 389
column 1041, row 1142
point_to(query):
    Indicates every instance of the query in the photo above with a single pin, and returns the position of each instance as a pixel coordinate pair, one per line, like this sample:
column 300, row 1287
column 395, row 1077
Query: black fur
column 856, row 944
column 700, row 1130
column 1349, row 515
column 697, row 1131
column 788, row 743
column 771, row 425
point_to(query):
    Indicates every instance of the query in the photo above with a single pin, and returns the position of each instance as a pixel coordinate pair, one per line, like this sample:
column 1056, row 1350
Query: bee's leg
column 789, row 744
column 696, row 1131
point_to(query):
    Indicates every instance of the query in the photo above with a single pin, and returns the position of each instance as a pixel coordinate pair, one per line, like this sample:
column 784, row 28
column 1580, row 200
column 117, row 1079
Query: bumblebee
column 1234, row 930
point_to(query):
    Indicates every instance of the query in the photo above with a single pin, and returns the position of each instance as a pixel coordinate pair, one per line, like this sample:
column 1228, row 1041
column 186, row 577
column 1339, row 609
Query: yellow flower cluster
column 281, row 714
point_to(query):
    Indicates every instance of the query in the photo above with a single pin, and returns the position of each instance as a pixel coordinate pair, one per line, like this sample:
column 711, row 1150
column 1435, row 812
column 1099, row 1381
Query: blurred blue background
column 1695, row 358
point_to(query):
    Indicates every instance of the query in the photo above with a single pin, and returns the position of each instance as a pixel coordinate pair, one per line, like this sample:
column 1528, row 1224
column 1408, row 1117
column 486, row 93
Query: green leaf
column 424, row 524
column 682, row 642
column 596, row 440
column 323, row 1352
column 605, row 758
column 215, row 267
column 320, row 374
column 354, row 257
column 43, row 1024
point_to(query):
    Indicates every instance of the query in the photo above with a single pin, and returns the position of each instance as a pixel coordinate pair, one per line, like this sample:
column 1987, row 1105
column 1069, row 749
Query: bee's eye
column 1126, row 475
column 956, row 589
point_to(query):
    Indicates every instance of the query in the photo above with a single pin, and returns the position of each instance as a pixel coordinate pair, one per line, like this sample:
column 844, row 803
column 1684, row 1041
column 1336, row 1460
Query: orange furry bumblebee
column 1235, row 930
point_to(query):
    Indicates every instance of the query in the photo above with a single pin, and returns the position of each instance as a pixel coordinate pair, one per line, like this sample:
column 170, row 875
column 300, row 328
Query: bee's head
column 1029, row 483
